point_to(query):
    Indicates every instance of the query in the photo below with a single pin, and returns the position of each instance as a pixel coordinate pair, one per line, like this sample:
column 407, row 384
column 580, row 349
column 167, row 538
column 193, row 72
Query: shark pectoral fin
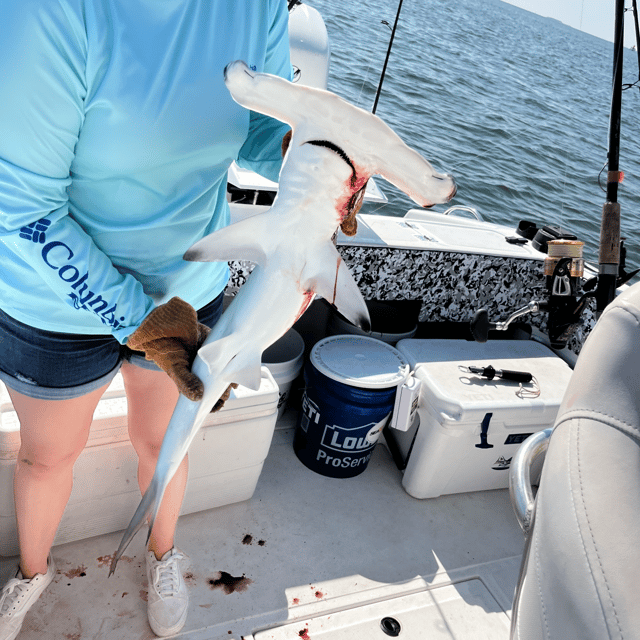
column 337, row 286
column 242, row 240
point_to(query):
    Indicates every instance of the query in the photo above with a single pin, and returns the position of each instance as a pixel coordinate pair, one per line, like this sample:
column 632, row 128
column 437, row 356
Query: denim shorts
column 58, row 366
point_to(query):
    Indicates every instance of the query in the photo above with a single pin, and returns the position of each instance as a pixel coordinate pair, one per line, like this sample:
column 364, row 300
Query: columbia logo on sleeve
column 36, row 231
column 58, row 256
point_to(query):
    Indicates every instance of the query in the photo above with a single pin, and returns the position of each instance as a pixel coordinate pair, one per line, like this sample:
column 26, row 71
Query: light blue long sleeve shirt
column 116, row 133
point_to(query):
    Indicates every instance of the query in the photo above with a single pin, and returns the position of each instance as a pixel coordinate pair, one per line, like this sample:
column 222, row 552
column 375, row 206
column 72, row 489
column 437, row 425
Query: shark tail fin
column 337, row 286
column 242, row 240
column 147, row 510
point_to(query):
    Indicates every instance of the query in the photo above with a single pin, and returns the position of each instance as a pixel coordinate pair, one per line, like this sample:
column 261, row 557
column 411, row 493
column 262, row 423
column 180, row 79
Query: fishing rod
column 634, row 6
column 563, row 264
column 609, row 254
column 386, row 60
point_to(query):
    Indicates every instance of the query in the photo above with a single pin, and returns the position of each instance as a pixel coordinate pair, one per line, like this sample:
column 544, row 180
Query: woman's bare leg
column 53, row 434
column 152, row 397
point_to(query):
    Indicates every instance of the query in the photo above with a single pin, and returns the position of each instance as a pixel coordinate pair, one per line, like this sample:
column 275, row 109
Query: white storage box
column 468, row 427
column 225, row 461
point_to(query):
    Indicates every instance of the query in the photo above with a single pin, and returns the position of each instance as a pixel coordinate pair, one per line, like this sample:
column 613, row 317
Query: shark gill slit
column 336, row 149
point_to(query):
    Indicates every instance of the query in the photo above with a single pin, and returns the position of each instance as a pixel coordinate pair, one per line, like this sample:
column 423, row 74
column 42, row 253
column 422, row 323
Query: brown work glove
column 171, row 336
column 223, row 398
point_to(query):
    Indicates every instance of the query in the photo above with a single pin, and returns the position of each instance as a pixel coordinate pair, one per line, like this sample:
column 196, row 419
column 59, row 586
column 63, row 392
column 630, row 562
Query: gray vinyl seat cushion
column 582, row 573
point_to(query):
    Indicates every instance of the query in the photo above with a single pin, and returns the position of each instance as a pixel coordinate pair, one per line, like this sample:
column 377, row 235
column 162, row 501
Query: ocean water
column 514, row 105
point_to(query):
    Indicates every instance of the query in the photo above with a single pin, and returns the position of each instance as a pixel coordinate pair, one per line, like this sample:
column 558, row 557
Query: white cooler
column 225, row 461
column 468, row 428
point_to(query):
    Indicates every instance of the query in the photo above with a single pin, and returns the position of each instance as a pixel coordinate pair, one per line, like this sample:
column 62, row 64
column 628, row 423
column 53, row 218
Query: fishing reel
column 564, row 304
column 564, row 271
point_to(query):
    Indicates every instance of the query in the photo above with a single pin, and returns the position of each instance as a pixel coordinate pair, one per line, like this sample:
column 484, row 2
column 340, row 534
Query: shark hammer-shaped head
column 368, row 145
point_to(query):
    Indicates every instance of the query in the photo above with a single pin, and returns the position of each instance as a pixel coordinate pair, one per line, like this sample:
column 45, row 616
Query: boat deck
column 306, row 557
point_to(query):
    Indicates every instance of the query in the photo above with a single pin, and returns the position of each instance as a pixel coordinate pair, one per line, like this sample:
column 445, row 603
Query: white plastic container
column 225, row 461
column 284, row 360
column 468, row 427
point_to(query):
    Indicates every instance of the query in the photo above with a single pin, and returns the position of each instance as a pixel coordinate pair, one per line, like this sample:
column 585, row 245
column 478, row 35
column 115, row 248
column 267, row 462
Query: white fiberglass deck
column 306, row 557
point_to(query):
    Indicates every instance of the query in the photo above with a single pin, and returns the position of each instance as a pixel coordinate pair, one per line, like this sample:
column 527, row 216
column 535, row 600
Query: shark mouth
column 336, row 149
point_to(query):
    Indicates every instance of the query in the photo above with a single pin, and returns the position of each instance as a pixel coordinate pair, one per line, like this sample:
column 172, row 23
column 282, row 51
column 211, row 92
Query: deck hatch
column 464, row 610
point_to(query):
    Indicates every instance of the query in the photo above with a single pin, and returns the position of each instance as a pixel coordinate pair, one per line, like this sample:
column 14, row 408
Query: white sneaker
column 17, row 597
column 168, row 597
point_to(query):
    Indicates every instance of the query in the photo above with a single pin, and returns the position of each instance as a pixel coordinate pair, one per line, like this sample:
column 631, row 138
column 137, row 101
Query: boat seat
column 581, row 569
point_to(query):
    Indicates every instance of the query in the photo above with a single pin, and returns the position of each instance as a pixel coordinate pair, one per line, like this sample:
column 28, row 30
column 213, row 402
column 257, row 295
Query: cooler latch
column 484, row 430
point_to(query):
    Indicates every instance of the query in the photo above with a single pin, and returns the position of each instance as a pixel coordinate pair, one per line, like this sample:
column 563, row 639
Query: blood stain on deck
column 78, row 572
column 230, row 584
column 105, row 561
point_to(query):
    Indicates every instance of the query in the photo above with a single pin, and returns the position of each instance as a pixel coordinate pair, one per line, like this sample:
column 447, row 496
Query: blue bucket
column 351, row 384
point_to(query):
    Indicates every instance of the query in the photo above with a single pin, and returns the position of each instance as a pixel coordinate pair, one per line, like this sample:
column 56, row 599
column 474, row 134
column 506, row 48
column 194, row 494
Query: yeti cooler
column 468, row 428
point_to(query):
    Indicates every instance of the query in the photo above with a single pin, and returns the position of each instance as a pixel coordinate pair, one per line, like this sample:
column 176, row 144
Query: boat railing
column 529, row 455
column 459, row 207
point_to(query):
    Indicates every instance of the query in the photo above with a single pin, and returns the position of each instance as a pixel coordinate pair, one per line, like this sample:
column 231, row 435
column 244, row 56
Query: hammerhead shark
column 334, row 149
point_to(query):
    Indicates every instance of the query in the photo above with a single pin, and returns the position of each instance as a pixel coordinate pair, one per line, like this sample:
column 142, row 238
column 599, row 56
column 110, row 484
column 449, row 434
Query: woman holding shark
column 116, row 133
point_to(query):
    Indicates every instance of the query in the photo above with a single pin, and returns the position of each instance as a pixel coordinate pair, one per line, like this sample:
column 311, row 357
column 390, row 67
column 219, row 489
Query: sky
column 593, row 16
